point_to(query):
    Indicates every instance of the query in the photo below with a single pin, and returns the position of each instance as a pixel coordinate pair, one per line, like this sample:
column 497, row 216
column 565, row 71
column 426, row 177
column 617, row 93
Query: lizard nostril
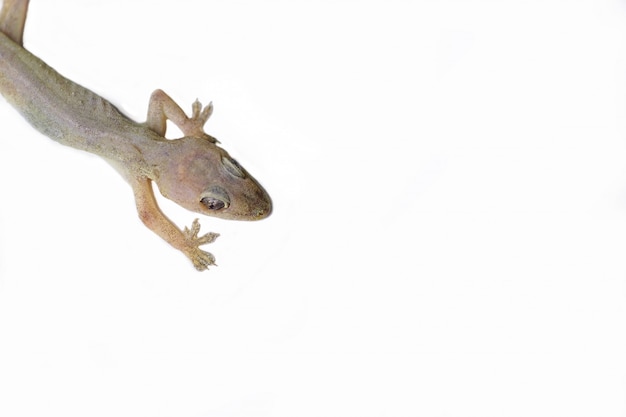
column 263, row 212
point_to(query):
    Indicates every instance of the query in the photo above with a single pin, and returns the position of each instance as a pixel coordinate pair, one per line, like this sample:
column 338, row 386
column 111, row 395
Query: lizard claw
column 201, row 114
column 201, row 259
column 194, row 125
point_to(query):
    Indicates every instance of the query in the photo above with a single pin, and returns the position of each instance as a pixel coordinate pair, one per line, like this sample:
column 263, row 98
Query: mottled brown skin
column 192, row 171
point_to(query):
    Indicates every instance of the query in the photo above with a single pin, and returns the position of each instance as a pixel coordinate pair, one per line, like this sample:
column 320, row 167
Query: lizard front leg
column 187, row 240
column 162, row 107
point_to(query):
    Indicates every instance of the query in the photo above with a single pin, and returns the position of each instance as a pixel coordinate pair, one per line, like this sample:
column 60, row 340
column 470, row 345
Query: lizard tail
column 12, row 19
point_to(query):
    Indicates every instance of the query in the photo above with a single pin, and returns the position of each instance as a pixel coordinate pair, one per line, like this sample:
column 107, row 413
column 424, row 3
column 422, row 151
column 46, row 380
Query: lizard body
column 192, row 171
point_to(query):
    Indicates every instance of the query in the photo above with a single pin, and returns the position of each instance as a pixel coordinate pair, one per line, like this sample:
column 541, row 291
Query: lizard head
column 202, row 177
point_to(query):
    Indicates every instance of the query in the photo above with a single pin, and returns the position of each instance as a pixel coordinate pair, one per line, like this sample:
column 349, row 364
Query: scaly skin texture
column 192, row 171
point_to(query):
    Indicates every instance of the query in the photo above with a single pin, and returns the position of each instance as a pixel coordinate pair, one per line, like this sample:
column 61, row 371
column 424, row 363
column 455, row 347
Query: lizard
column 193, row 171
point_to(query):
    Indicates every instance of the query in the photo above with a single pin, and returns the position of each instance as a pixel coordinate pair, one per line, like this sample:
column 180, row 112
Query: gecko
column 193, row 171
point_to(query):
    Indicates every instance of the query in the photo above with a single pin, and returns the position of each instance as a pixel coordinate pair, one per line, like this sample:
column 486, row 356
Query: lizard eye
column 215, row 199
column 213, row 203
column 233, row 167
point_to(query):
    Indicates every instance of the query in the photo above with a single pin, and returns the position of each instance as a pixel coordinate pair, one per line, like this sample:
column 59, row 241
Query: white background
column 449, row 232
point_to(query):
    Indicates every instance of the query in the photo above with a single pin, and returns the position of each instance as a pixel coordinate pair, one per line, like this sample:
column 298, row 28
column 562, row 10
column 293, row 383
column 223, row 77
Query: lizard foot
column 201, row 259
column 194, row 126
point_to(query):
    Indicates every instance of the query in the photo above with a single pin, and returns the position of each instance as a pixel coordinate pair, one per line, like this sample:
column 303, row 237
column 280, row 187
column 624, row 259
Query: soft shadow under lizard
column 192, row 171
